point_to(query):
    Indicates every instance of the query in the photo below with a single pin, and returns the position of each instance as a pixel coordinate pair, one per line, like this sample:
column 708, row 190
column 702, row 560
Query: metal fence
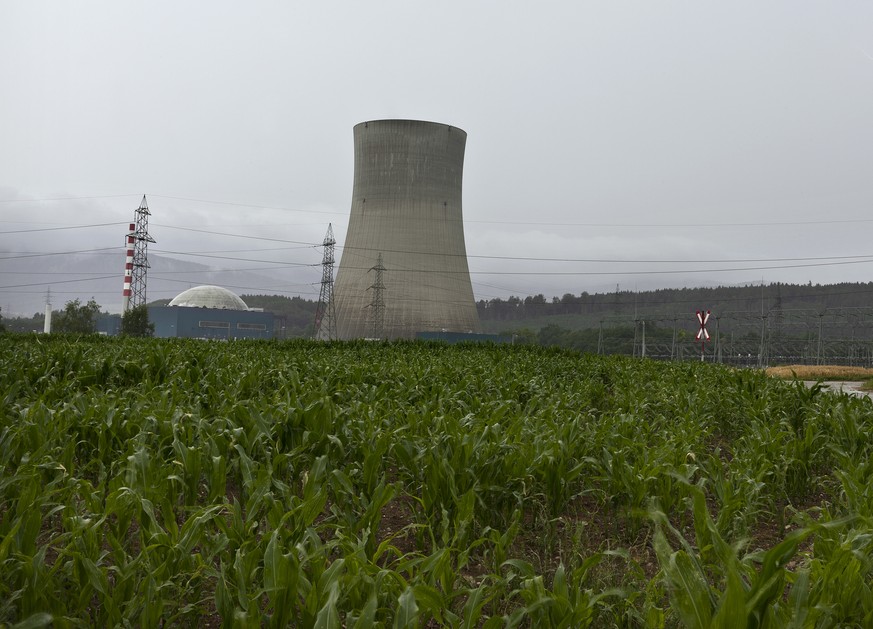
column 830, row 336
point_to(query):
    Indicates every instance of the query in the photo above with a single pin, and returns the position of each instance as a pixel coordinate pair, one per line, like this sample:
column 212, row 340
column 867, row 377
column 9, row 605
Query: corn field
column 163, row 482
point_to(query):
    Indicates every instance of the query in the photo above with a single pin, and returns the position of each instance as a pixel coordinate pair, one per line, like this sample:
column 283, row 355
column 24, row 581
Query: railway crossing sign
column 702, row 334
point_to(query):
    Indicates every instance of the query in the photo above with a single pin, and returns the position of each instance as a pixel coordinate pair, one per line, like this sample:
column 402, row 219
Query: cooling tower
column 406, row 208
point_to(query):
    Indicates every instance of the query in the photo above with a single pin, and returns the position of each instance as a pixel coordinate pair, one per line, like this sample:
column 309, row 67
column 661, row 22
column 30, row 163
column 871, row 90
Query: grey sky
column 638, row 131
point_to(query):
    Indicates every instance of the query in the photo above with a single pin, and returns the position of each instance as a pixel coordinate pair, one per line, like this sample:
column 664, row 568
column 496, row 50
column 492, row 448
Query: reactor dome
column 209, row 297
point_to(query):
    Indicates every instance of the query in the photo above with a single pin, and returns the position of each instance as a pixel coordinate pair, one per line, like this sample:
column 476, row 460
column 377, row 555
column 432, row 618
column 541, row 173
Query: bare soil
column 820, row 372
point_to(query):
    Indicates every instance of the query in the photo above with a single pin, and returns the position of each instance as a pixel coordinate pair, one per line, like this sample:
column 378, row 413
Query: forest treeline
column 679, row 301
column 550, row 320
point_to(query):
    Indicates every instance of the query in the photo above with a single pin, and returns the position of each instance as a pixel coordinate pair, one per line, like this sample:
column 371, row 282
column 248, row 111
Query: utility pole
column 325, row 311
column 644, row 339
column 600, row 339
column 137, row 263
column 47, row 322
column 718, row 339
column 762, row 350
column 377, row 305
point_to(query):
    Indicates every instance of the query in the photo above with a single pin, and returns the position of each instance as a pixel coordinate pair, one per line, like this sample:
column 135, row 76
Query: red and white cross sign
column 702, row 317
column 702, row 334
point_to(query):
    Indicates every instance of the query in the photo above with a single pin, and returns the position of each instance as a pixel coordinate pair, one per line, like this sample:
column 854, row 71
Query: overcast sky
column 660, row 136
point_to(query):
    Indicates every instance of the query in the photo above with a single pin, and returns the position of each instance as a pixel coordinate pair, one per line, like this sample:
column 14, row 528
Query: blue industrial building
column 210, row 312
column 202, row 312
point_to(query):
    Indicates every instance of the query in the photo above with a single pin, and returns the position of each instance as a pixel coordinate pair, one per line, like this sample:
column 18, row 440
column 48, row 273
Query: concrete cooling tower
column 406, row 213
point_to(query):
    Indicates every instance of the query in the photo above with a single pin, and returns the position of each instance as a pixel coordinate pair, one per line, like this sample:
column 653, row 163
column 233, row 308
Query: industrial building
column 404, row 268
column 210, row 312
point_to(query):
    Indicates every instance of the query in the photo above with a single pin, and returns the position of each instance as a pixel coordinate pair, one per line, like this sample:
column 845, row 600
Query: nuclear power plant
column 403, row 273
column 403, row 269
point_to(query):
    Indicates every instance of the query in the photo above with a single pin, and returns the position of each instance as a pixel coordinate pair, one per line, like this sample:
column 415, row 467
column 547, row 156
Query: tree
column 2, row 327
column 135, row 322
column 77, row 318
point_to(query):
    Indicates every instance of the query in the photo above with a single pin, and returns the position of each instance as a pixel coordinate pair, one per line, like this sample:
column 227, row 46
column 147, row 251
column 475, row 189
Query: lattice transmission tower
column 325, row 311
column 137, row 262
column 377, row 305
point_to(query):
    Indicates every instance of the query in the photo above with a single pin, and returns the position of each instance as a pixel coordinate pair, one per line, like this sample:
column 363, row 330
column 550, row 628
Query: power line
column 167, row 279
column 551, row 224
column 51, row 273
column 695, row 261
column 675, row 225
column 839, row 261
column 479, row 256
column 631, row 272
column 792, row 222
column 215, row 233
column 204, row 255
column 250, row 250
column 306, row 245
column 51, row 229
column 249, row 205
column 85, row 279
column 105, row 196
column 60, row 253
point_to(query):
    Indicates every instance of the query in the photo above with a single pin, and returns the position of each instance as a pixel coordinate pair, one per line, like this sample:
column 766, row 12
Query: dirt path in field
column 852, row 388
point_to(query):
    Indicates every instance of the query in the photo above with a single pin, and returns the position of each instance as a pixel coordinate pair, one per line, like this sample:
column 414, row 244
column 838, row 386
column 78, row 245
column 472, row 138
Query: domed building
column 209, row 297
column 210, row 312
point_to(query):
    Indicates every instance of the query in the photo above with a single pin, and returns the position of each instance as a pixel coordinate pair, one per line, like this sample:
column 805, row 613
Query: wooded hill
column 664, row 308
column 588, row 310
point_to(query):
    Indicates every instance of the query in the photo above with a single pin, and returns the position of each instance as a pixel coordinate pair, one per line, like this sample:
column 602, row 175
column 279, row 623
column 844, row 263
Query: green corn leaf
column 34, row 621
column 770, row 580
column 476, row 599
column 524, row 568
column 689, row 593
column 559, row 583
column 799, row 602
column 429, row 600
column 367, row 619
column 223, row 599
column 332, row 575
column 7, row 540
column 95, row 576
column 273, row 564
column 406, row 613
column 495, row 622
column 731, row 612
column 328, row 616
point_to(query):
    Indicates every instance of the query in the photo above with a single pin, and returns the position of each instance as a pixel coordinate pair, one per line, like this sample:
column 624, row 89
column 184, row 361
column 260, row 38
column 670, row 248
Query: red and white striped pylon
column 128, row 268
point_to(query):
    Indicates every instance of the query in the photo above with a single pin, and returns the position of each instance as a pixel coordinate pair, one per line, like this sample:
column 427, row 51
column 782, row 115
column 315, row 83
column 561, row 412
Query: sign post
column 702, row 334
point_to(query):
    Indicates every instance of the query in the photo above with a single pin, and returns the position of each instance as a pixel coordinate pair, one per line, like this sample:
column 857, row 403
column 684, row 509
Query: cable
column 51, row 229
column 257, row 207
column 470, row 256
column 105, row 196
column 206, row 231
column 550, row 224
column 86, row 279
column 203, row 255
column 59, row 253
column 527, row 223
column 674, row 225
column 697, row 261
column 858, row 258
column 630, row 272
column 210, row 270
column 50, row 273
column 250, row 250
column 166, row 279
